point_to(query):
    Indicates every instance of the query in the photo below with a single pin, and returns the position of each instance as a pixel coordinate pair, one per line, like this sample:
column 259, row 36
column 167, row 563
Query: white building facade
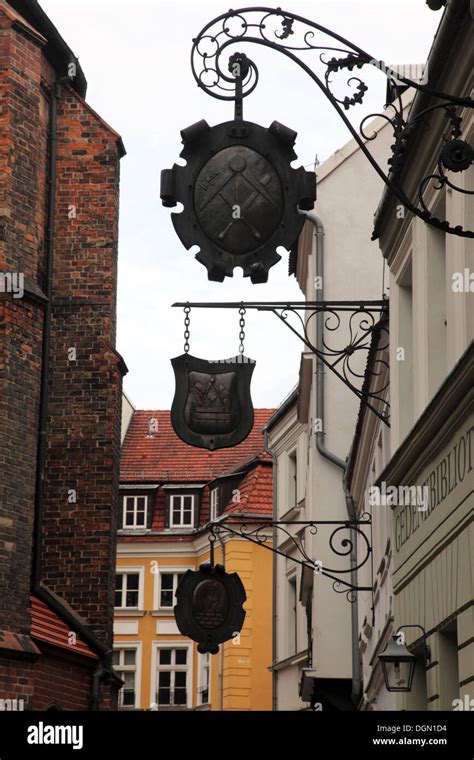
column 431, row 548
column 316, row 658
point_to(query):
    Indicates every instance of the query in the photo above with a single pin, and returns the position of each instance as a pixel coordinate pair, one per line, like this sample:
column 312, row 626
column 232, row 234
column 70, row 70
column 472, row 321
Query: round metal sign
column 240, row 196
column 209, row 606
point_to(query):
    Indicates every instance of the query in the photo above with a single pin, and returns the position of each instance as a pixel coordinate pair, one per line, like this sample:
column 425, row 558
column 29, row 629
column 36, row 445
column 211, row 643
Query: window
column 204, row 669
column 292, row 617
column 125, row 665
column 166, row 579
column 167, row 591
column 181, row 511
column 448, row 667
column 402, row 352
column 173, row 674
column 127, row 589
column 214, row 503
column 135, row 511
column 432, row 334
column 292, row 479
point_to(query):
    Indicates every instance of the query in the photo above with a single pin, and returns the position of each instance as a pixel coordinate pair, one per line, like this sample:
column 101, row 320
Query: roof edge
column 450, row 25
column 56, row 50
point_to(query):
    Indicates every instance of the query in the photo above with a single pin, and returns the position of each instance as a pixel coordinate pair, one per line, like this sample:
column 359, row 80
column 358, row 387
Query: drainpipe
column 274, row 571
column 95, row 692
column 220, row 672
column 356, row 692
column 337, row 461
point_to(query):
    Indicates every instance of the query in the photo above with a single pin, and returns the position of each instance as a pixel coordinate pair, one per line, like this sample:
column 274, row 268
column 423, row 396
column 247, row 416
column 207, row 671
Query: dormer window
column 214, row 504
column 135, row 511
column 182, row 505
column 182, row 511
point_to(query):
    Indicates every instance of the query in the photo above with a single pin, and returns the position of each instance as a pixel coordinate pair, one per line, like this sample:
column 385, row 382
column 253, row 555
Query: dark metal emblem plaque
column 238, row 177
column 209, row 606
column 212, row 406
column 240, row 196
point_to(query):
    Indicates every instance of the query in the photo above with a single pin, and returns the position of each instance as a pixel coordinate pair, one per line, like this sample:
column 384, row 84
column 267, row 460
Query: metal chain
column 187, row 322
column 242, row 312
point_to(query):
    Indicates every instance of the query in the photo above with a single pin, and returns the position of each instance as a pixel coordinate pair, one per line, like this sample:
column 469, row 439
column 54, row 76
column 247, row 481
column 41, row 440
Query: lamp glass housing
column 398, row 666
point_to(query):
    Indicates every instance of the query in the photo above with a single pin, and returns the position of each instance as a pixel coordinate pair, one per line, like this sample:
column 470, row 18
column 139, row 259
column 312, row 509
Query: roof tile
column 47, row 626
column 162, row 455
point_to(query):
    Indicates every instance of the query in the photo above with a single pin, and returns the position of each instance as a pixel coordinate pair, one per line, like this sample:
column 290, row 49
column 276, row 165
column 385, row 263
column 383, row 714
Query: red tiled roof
column 255, row 491
column 255, row 498
column 163, row 456
column 47, row 626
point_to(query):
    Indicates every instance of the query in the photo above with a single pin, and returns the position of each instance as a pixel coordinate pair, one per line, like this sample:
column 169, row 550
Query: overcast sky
column 135, row 56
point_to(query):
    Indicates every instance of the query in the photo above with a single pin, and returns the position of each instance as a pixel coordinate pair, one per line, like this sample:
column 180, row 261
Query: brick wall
column 22, row 222
column 84, row 406
column 78, row 548
column 17, row 680
column 63, row 681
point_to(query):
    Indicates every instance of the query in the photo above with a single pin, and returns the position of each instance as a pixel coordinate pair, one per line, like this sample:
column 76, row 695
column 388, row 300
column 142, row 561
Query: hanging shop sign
column 209, row 606
column 212, row 407
column 240, row 196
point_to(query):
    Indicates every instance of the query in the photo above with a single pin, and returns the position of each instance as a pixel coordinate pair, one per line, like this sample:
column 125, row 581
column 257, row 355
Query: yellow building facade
column 161, row 668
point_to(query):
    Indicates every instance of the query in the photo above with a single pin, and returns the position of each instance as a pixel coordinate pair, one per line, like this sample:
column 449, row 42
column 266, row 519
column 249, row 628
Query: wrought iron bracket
column 293, row 36
column 342, row 535
column 366, row 331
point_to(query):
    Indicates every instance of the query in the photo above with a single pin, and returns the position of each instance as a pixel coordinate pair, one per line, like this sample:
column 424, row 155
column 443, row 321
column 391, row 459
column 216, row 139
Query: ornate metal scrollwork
column 294, row 36
column 365, row 335
column 341, row 538
column 344, row 358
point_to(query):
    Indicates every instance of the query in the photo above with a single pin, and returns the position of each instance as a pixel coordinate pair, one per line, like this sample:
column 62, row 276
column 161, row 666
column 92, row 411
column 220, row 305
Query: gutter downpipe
column 220, row 671
column 274, row 571
column 321, row 447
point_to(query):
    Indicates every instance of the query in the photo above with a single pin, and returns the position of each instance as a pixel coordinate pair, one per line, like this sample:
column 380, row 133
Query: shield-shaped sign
column 209, row 606
column 212, row 406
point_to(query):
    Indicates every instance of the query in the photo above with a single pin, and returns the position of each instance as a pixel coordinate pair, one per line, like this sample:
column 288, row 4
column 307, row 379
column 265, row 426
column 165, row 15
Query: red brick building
column 60, row 375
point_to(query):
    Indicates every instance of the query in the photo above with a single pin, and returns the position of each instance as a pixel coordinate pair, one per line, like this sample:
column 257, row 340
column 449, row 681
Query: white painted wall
column 348, row 193
column 127, row 414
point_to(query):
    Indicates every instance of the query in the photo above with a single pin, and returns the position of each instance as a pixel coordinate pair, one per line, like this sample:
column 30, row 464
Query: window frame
column 168, row 569
column 293, row 476
column 214, row 507
column 172, row 644
column 137, row 646
column 182, row 496
column 131, row 570
column 200, row 673
column 124, row 511
column 293, row 627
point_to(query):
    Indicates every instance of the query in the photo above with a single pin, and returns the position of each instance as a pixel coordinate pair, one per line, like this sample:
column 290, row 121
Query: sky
column 136, row 58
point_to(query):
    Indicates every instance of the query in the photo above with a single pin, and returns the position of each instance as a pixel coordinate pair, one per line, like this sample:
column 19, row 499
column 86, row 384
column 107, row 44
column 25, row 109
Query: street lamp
column 398, row 663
